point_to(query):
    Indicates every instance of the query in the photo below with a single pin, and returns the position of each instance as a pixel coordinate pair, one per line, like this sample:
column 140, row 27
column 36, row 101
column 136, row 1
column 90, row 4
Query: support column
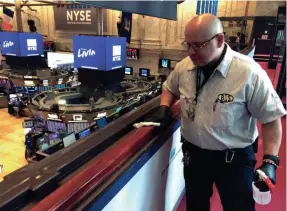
column 19, row 25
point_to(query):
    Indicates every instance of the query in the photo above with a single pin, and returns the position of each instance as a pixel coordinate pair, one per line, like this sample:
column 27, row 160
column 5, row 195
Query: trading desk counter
column 142, row 172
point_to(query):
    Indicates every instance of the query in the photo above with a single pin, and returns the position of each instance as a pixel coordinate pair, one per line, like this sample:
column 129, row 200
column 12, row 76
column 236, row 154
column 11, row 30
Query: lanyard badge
column 192, row 109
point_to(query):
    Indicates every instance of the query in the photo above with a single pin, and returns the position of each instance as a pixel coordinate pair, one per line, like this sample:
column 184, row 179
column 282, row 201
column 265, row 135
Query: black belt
column 228, row 153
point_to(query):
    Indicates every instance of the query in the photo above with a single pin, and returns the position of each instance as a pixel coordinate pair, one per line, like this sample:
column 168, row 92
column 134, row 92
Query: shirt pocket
column 222, row 116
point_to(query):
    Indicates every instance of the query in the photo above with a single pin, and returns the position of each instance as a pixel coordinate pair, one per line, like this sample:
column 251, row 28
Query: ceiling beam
column 40, row 3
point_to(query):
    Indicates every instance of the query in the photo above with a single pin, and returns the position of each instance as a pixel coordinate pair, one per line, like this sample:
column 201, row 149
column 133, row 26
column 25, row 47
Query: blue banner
column 202, row 6
column 210, row 10
column 99, row 53
column 207, row 6
column 198, row 6
column 126, row 26
column 10, row 43
column 31, row 44
column 215, row 7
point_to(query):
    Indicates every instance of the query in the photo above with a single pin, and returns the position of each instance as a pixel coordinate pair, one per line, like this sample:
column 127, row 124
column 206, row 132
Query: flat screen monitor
column 55, row 125
column 28, row 123
column 128, row 71
column 144, row 72
column 164, row 63
column 69, row 139
column 84, row 133
column 132, row 53
column 76, row 126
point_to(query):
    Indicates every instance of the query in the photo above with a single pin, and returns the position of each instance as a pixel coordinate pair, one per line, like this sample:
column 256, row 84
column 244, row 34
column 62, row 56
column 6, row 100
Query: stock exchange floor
column 12, row 148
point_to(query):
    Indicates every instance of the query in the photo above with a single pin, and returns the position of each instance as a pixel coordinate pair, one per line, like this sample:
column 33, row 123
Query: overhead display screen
column 10, row 43
column 160, row 9
column 21, row 44
column 99, row 53
column 31, row 44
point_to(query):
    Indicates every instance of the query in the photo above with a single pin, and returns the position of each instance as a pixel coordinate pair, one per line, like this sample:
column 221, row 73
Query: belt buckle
column 227, row 158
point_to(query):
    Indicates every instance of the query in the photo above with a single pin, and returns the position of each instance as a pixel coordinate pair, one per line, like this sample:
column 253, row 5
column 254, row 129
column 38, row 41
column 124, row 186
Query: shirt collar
column 224, row 65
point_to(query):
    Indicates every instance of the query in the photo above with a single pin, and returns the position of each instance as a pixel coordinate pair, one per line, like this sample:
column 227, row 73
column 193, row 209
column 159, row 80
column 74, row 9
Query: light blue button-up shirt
column 237, row 94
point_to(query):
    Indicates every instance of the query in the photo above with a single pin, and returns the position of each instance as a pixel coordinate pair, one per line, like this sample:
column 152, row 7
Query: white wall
column 157, row 186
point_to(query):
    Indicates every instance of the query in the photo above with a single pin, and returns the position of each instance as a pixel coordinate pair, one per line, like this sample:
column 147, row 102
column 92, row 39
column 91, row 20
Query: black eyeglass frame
column 200, row 46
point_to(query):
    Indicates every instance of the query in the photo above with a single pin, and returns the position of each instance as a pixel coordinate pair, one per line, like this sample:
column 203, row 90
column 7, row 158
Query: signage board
column 10, row 43
column 99, row 53
column 21, row 44
column 31, row 44
column 76, row 18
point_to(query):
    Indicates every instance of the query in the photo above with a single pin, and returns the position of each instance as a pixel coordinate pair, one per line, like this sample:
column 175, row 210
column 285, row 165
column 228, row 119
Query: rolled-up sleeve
column 264, row 103
column 172, row 82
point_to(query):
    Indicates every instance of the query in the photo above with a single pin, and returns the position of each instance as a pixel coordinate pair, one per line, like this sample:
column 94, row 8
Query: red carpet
column 278, row 202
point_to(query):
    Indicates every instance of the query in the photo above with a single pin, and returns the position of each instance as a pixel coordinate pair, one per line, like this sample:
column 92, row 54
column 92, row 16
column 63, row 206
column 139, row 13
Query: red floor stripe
column 278, row 202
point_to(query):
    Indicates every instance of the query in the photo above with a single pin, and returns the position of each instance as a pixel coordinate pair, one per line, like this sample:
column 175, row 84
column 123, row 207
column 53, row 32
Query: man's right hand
column 162, row 115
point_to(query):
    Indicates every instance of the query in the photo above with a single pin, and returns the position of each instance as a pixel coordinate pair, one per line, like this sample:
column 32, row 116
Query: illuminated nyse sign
column 79, row 16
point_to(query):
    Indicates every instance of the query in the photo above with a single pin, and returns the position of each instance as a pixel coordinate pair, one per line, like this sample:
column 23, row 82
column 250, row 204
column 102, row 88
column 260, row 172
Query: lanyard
column 198, row 85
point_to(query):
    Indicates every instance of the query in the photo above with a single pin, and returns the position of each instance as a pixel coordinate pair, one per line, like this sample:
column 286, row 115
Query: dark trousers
column 230, row 170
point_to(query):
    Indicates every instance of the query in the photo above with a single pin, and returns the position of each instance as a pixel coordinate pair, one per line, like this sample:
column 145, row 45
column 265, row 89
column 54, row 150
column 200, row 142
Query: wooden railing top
column 83, row 183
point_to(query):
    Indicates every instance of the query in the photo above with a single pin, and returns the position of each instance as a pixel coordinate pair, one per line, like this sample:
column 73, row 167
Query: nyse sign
column 79, row 17
column 76, row 18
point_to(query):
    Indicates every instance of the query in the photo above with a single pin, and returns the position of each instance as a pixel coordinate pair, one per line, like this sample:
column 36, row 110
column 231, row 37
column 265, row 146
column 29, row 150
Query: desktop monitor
column 128, row 71
column 144, row 72
column 69, row 139
column 84, row 133
column 55, row 125
column 164, row 63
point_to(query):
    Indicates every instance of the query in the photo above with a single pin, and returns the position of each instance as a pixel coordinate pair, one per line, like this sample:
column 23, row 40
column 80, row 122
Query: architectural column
column 19, row 25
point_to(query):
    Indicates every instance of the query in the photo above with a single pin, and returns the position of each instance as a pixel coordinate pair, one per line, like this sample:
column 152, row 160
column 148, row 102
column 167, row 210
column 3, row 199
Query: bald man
column 222, row 93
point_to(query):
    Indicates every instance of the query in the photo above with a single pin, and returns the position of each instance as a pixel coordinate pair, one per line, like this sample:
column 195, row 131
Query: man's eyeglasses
column 197, row 46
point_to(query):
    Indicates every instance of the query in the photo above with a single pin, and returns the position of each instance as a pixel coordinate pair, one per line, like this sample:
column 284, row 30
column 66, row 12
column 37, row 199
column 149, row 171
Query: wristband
column 274, row 158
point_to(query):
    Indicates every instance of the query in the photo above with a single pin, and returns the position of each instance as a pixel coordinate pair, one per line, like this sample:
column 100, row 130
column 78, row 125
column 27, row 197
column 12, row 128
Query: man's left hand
column 269, row 167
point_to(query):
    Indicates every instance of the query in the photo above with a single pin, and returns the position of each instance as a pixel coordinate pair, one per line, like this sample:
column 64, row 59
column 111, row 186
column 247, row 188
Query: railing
column 33, row 181
column 96, row 175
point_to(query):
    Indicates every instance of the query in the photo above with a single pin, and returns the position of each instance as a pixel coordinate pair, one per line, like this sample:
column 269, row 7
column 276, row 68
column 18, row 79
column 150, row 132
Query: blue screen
column 89, row 52
column 99, row 53
column 84, row 133
column 128, row 71
column 10, row 43
column 144, row 72
column 31, row 44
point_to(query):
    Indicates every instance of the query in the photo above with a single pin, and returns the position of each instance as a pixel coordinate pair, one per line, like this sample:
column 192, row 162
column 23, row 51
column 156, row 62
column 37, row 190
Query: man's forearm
column 272, row 135
column 167, row 98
